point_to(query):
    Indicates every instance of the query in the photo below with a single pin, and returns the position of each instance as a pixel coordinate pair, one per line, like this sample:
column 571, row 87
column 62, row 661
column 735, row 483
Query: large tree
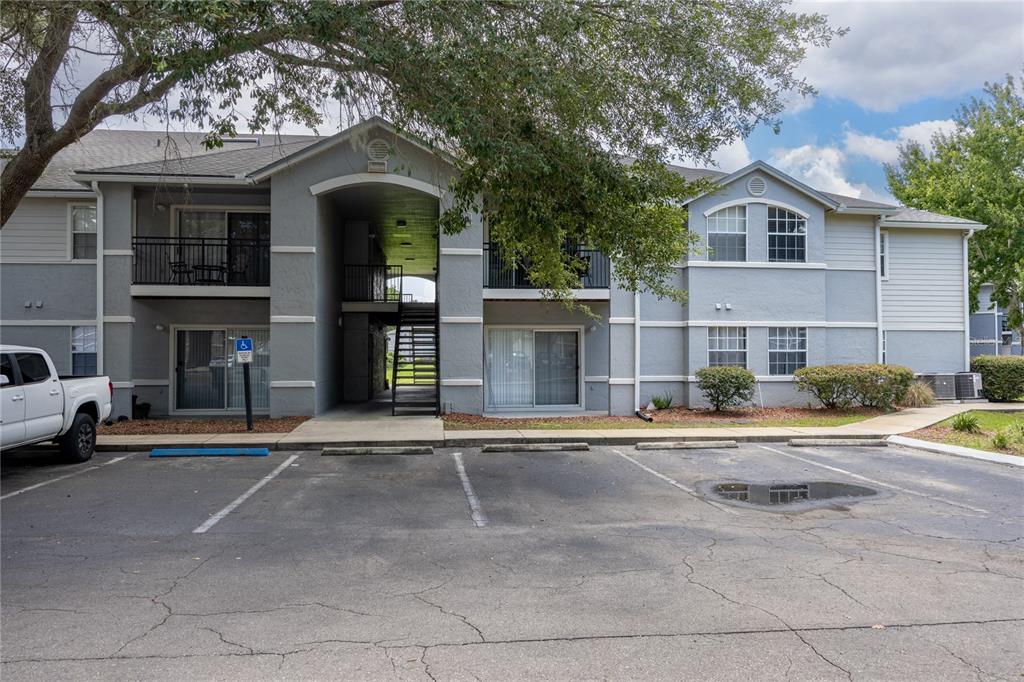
column 541, row 101
column 977, row 172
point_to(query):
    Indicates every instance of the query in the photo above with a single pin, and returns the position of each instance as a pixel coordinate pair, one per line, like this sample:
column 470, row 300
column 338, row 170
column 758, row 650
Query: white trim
column 152, row 382
column 100, row 230
column 354, row 179
column 849, row 268
column 761, row 378
column 118, row 252
column 461, row 320
column 806, row 349
column 602, row 379
column 70, row 250
column 292, row 319
column 620, row 381
column 967, row 306
column 292, row 384
column 778, row 175
column 538, row 295
column 756, row 200
column 462, row 382
column 119, row 318
column 63, row 261
column 883, row 238
column 915, row 327
column 636, row 351
column 880, row 339
column 161, row 178
column 196, row 291
column 663, row 323
column 746, row 346
column 781, row 323
column 664, row 377
column 123, row 384
column 746, row 230
column 292, row 249
column 964, row 227
column 451, row 251
column 785, row 265
column 48, row 323
column 59, row 194
column 620, row 320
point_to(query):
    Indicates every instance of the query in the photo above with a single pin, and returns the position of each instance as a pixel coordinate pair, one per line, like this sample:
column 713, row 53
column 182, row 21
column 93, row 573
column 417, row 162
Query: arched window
column 787, row 236
column 727, row 234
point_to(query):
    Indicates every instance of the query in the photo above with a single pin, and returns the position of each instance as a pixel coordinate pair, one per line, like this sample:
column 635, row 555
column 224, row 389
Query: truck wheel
column 78, row 444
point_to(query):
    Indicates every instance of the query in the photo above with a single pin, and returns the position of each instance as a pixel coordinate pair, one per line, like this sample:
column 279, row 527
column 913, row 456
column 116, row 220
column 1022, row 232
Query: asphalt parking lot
column 613, row 563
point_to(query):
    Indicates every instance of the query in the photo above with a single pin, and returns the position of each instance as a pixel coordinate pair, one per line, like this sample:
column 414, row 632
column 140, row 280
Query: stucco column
column 118, row 319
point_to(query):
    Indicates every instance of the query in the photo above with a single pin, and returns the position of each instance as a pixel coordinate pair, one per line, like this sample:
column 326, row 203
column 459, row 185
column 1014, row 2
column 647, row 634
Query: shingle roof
column 855, row 202
column 692, row 174
column 107, row 148
column 916, row 215
column 221, row 164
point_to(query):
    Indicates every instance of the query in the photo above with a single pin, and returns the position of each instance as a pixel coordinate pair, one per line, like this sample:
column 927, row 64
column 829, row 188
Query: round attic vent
column 378, row 150
column 756, row 186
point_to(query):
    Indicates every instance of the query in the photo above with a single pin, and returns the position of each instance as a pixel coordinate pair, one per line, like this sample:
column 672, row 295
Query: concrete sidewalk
column 418, row 430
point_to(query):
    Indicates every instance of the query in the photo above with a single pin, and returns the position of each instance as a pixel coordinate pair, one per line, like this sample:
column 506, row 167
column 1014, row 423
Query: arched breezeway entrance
column 378, row 246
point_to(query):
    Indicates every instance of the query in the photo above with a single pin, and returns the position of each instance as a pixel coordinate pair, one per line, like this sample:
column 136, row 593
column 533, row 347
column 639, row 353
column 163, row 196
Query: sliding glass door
column 532, row 368
column 206, row 376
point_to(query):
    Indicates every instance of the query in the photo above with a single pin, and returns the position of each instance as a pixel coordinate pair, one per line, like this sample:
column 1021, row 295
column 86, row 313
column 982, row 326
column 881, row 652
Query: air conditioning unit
column 968, row 386
column 942, row 385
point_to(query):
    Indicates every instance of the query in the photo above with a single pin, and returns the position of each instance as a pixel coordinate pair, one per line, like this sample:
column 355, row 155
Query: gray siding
column 850, row 242
column 924, row 289
column 37, row 231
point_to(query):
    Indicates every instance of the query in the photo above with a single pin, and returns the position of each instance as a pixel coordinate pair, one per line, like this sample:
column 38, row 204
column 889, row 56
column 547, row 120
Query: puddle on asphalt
column 772, row 494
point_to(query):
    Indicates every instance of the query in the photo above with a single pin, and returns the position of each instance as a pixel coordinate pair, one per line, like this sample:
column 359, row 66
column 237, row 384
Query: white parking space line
column 115, row 460
column 212, row 521
column 475, row 511
column 875, row 482
column 674, row 482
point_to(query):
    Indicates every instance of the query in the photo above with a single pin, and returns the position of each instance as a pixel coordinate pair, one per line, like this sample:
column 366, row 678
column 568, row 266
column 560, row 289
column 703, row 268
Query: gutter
column 99, row 275
column 967, row 307
column 636, row 352
column 880, row 329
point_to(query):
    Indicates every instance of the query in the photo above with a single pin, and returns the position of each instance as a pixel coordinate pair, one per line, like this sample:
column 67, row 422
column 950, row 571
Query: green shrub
column 1002, row 376
column 662, row 402
column 1000, row 440
column 918, row 395
column 839, row 386
column 1015, row 432
column 965, row 422
column 726, row 386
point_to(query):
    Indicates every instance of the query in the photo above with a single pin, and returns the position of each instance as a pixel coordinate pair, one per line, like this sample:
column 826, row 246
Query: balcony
column 200, row 266
column 370, row 283
column 498, row 275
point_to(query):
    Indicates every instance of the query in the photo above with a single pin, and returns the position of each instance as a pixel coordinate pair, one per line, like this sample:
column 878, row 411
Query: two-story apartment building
column 146, row 265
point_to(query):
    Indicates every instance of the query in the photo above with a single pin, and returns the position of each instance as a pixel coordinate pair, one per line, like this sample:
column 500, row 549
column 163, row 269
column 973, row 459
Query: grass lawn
column 989, row 422
column 675, row 417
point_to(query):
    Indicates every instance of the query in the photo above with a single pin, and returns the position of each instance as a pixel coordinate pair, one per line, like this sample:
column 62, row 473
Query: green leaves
column 977, row 172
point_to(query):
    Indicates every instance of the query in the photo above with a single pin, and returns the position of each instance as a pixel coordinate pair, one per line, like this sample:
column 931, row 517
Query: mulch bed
column 950, row 436
column 159, row 427
column 673, row 416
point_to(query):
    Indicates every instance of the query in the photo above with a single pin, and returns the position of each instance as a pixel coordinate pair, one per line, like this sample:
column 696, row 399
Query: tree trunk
column 19, row 175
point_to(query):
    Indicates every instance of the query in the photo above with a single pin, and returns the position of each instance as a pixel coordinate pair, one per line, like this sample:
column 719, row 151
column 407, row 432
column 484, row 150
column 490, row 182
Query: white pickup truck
column 36, row 405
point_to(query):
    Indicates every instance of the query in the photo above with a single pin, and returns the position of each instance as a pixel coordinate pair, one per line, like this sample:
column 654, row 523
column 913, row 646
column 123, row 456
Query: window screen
column 83, row 232
column 727, row 347
column 83, row 351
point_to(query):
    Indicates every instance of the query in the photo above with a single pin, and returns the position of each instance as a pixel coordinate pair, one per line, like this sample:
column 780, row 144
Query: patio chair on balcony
column 180, row 271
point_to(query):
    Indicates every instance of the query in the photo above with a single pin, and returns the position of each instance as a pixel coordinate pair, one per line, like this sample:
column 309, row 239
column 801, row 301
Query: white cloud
column 886, row 149
column 823, row 168
column 732, row 157
column 900, row 52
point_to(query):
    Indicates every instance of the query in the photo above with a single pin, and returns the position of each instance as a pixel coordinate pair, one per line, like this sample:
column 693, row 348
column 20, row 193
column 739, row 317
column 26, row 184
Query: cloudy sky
column 899, row 74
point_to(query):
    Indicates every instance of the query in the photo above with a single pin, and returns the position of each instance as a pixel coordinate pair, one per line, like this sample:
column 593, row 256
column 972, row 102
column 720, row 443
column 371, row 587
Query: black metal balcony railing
column 201, row 261
column 498, row 275
column 370, row 283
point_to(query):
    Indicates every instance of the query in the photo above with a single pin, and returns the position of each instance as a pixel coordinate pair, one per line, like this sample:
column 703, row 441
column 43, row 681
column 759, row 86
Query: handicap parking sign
column 243, row 350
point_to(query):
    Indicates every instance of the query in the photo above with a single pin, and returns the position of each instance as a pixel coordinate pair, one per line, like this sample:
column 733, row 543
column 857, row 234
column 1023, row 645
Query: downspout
column 636, row 352
column 99, row 276
column 967, row 309
column 878, row 284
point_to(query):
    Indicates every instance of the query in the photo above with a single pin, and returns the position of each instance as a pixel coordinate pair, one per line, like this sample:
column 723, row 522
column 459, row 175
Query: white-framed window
column 214, row 222
column 885, row 343
column 727, row 234
column 83, row 351
column 883, row 254
column 206, row 375
column 727, row 347
column 533, row 367
column 787, row 350
column 83, row 232
column 787, row 236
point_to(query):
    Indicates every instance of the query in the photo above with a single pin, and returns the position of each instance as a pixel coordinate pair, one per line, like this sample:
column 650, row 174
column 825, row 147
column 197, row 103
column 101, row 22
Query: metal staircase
column 417, row 390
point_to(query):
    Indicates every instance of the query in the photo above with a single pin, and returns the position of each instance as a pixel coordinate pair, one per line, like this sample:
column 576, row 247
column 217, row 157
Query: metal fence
column 371, row 283
column 201, row 261
column 595, row 273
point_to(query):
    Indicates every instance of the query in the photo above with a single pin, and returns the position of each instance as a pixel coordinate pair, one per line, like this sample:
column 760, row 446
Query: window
column 33, row 368
column 787, row 236
column 206, row 375
column 83, row 351
column 83, row 232
column 727, row 234
column 787, row 350
column 883, row 255
column 532, row 367
column 727, row 346
column 885, row 342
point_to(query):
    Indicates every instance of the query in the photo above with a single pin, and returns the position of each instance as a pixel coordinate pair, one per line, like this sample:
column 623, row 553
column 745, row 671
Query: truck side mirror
column 4, row 380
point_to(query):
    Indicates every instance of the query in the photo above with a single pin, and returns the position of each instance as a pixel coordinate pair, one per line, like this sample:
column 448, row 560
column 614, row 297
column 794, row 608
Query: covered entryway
column 378, row 234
